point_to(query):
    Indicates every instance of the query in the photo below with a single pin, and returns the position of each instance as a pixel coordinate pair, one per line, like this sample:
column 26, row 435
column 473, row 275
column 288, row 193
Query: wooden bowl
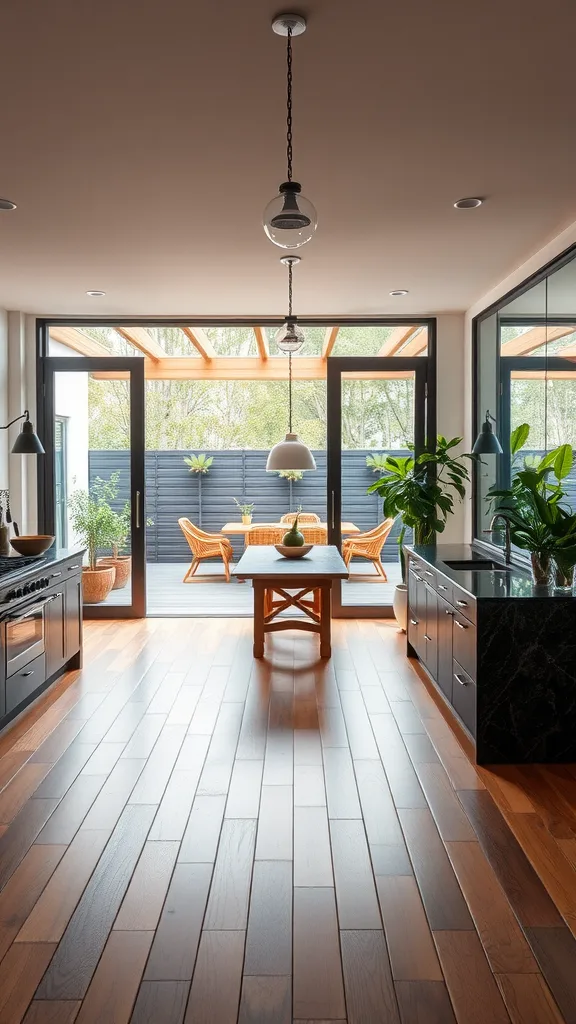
column 293, row 552
column 35, row 545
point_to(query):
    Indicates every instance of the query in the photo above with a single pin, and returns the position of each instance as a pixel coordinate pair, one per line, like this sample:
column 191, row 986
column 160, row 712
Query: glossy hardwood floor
column 189, row 835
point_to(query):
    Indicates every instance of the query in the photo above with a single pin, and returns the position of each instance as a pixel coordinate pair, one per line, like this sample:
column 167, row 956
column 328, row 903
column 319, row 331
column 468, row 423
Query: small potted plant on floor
column 246, row 510
column 93, row 522
column 421, row 490
column 118, row 539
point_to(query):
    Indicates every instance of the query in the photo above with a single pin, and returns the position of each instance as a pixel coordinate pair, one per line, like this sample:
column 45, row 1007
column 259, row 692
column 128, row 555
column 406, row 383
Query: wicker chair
column 368, row 545
column 205, row 545
column 264, row 535
column 303, row 517
column 314, row 534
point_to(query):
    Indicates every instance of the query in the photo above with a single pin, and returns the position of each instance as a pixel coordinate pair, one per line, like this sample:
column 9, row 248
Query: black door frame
column 423, row 368
column 48, row 367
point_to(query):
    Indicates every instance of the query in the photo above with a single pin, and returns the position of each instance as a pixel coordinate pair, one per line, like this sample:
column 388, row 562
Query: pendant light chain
column 289, row 102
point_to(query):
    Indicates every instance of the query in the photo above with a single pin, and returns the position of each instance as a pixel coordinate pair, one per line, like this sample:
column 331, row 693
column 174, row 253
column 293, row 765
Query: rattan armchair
column 205, row 545
column 368, row 545
column 303, row 517
column 314, row 534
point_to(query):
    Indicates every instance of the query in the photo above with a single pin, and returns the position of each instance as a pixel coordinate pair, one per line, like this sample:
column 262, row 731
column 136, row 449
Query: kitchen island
column 40, row 624
column 500, row 651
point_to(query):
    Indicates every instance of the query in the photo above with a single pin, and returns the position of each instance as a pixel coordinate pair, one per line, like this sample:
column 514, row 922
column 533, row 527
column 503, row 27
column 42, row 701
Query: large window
column 526, row 373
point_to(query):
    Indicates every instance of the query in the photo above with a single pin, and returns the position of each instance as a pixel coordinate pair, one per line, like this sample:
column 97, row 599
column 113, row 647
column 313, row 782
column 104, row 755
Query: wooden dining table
column 280, row 583
column 241, row 529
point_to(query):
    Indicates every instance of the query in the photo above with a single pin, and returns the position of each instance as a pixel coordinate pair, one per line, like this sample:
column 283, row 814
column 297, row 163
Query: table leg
column 259, row 591
column 325, row 620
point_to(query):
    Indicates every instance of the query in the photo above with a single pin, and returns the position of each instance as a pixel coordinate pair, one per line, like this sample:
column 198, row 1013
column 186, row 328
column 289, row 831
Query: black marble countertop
column 507, row 582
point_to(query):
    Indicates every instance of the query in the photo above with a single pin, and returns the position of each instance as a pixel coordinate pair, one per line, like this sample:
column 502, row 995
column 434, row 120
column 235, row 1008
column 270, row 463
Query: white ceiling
column 141, row 142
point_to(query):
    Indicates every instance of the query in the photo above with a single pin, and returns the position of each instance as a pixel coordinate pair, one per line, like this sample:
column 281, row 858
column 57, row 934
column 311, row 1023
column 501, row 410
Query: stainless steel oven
column 25, row 635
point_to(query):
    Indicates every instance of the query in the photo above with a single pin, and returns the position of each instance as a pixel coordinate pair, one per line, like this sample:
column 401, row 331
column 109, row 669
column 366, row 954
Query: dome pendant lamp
column 290, row 219
column 291, row 453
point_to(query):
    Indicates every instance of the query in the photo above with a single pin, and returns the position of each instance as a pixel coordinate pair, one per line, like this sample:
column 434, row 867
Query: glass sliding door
column 93, row 474
column 376, row 407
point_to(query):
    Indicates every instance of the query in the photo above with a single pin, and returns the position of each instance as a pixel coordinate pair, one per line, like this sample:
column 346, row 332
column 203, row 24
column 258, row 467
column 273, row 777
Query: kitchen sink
column 478, row 564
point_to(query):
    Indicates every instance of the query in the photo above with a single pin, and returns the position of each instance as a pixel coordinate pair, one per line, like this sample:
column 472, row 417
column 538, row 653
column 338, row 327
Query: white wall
column 450, row 402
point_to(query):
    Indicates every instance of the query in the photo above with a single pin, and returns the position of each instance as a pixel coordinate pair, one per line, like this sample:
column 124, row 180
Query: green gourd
column 293, row 539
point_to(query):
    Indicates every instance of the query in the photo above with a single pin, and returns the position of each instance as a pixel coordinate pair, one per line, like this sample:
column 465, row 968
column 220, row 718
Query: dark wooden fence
column 172, row 491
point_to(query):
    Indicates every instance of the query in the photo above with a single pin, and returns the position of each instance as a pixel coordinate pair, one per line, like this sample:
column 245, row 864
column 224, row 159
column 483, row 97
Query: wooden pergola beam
column 544, row 374
column 201, row 342
column 240, row 368
column 143, row 341
column 535, row 338
column 329, row 341
column 417, row 344
column 262, row 342
column 394, row 342
column 78, row 342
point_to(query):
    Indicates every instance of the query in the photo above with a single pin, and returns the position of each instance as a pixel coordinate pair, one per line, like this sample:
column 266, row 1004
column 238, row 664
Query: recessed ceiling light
column 95, row 294
column 7, row 204
column 468, row 204
column 398, row 292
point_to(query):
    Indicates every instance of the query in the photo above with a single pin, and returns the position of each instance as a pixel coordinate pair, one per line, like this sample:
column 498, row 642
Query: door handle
column 462, row 604
column 448, row 611
column 137, row 517
column 332, row 500
column 414, row 622
column 428, row 638
column 460, row 624
column 440, row 587
column 460, row 679
column 428, row 573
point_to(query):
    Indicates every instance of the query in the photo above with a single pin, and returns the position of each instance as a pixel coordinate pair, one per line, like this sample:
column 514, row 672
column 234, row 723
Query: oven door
column 25, row 636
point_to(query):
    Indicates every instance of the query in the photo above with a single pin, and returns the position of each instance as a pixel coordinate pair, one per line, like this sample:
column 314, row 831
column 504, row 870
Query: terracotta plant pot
column 123, row 567
column 97, row 583
column 246, row 520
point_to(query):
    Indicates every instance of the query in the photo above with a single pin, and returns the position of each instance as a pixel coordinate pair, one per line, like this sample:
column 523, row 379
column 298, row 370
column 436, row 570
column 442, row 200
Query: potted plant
column 246, row 510
column 93, row 522
column 532, row 506
column 200, row 465
column 421, row 490
column 118, row 539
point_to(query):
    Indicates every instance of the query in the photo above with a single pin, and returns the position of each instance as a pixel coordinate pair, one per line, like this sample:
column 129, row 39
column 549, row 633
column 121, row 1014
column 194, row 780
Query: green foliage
column 533, row 504
column 246, row 509
column 199, row 463
column 421, row 489
column 291, row 474
column 92, row 520
column 377, row 462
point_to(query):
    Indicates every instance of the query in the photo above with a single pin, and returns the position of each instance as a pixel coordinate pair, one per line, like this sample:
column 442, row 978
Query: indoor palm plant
column 421, row 490
column 93, row 522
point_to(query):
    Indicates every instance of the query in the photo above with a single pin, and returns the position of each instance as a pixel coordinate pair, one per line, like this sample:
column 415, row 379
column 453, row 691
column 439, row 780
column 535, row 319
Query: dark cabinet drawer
column 22, row 684
column 465, row 604
column 431, row 631
column 464, row 697
column 54, row 633
column 72, row 614
column 464, row 643
column 445, row 670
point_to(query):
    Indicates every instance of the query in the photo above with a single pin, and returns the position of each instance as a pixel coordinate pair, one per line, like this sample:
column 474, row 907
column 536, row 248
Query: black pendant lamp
column 291, row 453
column 290, row 219
column 487, row 442
column 27, row 442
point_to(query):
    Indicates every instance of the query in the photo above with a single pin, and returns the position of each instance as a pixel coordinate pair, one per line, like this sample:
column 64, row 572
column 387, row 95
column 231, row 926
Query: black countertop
column 47, row 560
column 507, row 582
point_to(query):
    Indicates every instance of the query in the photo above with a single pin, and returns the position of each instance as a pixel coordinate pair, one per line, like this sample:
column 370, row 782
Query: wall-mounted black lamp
column 487, row 442
column 27, row 442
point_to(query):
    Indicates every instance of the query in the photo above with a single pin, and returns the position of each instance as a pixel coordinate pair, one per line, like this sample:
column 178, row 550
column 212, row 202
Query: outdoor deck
column 209, row 594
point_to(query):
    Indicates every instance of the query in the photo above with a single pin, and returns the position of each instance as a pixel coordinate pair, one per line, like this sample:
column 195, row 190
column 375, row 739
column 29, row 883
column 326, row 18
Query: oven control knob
column 10, row 595
column 19, row 592
column 46, row 582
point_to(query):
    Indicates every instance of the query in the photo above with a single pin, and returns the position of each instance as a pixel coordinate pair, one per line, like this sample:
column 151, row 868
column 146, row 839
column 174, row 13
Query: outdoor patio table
column 241, row 529
column 310, row 576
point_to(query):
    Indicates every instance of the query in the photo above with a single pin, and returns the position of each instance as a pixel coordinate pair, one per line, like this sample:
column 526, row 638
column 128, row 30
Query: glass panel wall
column 526, row 373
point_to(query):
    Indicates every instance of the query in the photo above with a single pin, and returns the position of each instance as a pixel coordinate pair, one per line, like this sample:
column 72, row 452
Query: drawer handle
column 428, row 573
column 462, row 604
column 55, row 575
column 460, row 624
column 440, row 587
column 29, row 673
column 428, row 638
column 414, row 622
column 460, row 679
column 415, row 575
column 448, row 611
column 71, row 567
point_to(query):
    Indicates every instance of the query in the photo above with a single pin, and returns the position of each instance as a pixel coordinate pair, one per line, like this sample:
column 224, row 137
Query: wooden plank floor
column 209, row 594
column 187, row 835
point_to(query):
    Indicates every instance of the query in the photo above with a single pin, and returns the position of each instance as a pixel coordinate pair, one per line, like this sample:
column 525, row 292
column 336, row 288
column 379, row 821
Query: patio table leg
column 259, row 593
column 325, row 620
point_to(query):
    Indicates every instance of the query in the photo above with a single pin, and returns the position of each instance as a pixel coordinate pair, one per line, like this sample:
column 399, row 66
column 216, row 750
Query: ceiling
column 141, row 142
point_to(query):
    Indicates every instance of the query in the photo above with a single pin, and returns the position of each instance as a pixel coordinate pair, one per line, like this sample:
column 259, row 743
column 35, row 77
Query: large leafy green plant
column 92, row 520
column 422, row 489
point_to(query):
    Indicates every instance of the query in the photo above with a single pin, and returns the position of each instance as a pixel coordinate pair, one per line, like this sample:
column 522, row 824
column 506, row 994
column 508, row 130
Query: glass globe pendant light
column 291, row 453
column 290, row 219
